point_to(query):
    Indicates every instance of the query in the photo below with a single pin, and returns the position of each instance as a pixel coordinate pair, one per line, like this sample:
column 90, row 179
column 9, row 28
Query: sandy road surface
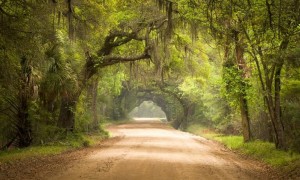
column 153, row 150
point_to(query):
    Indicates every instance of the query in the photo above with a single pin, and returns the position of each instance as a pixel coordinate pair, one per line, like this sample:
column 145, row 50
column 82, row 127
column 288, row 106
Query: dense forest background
column 69, row 65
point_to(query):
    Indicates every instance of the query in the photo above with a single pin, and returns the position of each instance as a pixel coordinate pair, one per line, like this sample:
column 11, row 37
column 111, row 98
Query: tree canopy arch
column 63, row 58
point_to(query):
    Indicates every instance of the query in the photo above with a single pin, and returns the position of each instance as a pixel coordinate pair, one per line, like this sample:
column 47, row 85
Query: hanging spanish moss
column 194, row 30
column 167, row 6
column 160, row 3
column 70, row 20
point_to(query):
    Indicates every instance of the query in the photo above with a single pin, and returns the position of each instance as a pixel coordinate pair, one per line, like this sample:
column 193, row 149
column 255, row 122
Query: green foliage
column 65, row 60
column 83, row 115
column 291, row 114
column 111, row 81
column 198, row 66
column 264, row 151
column 191, row 87
column 231, row 90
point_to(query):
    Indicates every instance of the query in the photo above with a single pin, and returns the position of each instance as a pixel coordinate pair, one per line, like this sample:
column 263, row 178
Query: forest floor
column 144, row 149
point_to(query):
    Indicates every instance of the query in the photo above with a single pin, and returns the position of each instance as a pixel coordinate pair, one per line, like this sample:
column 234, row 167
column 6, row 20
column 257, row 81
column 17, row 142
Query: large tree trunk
column 280, row 143
column 70, row 20
column 24, row 133
column 275, row 112
column 271, row 110
column 68, row 105
column 94, row 104
column 67, row 113
column 274, row 106
column 188, row 111
column 120, row 112
column 239, row 53
column 24, row 129
column 245, row 118
column 266, row 84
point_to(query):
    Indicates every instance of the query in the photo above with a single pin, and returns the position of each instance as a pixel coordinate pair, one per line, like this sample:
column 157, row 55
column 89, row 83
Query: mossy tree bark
column 242, row 66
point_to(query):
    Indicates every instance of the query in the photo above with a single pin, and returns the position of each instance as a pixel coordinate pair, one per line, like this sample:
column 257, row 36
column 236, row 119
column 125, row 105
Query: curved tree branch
column 110, row 60
column 117, row 38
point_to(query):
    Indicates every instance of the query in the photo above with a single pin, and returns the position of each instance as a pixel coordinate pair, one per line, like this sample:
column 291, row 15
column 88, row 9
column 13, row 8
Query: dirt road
column 145, row 150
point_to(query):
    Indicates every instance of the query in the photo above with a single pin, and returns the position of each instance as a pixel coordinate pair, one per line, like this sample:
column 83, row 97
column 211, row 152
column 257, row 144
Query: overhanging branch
column 117, row 38
column 110, row 60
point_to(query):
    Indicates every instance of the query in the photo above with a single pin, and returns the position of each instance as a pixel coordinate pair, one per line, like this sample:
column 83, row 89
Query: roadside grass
column 258, row 149
column 71, row 141
column 38, row 151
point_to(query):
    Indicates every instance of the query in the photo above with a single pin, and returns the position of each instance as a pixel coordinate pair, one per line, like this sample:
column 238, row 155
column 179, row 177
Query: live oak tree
column 251, row 34
column 273, row 32
column 216, row 62
column 72, row 18
column 104, row 57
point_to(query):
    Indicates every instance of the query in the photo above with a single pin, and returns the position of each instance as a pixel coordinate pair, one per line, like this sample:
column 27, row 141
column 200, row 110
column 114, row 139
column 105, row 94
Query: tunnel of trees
column 68, row 65
column 148, row 109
